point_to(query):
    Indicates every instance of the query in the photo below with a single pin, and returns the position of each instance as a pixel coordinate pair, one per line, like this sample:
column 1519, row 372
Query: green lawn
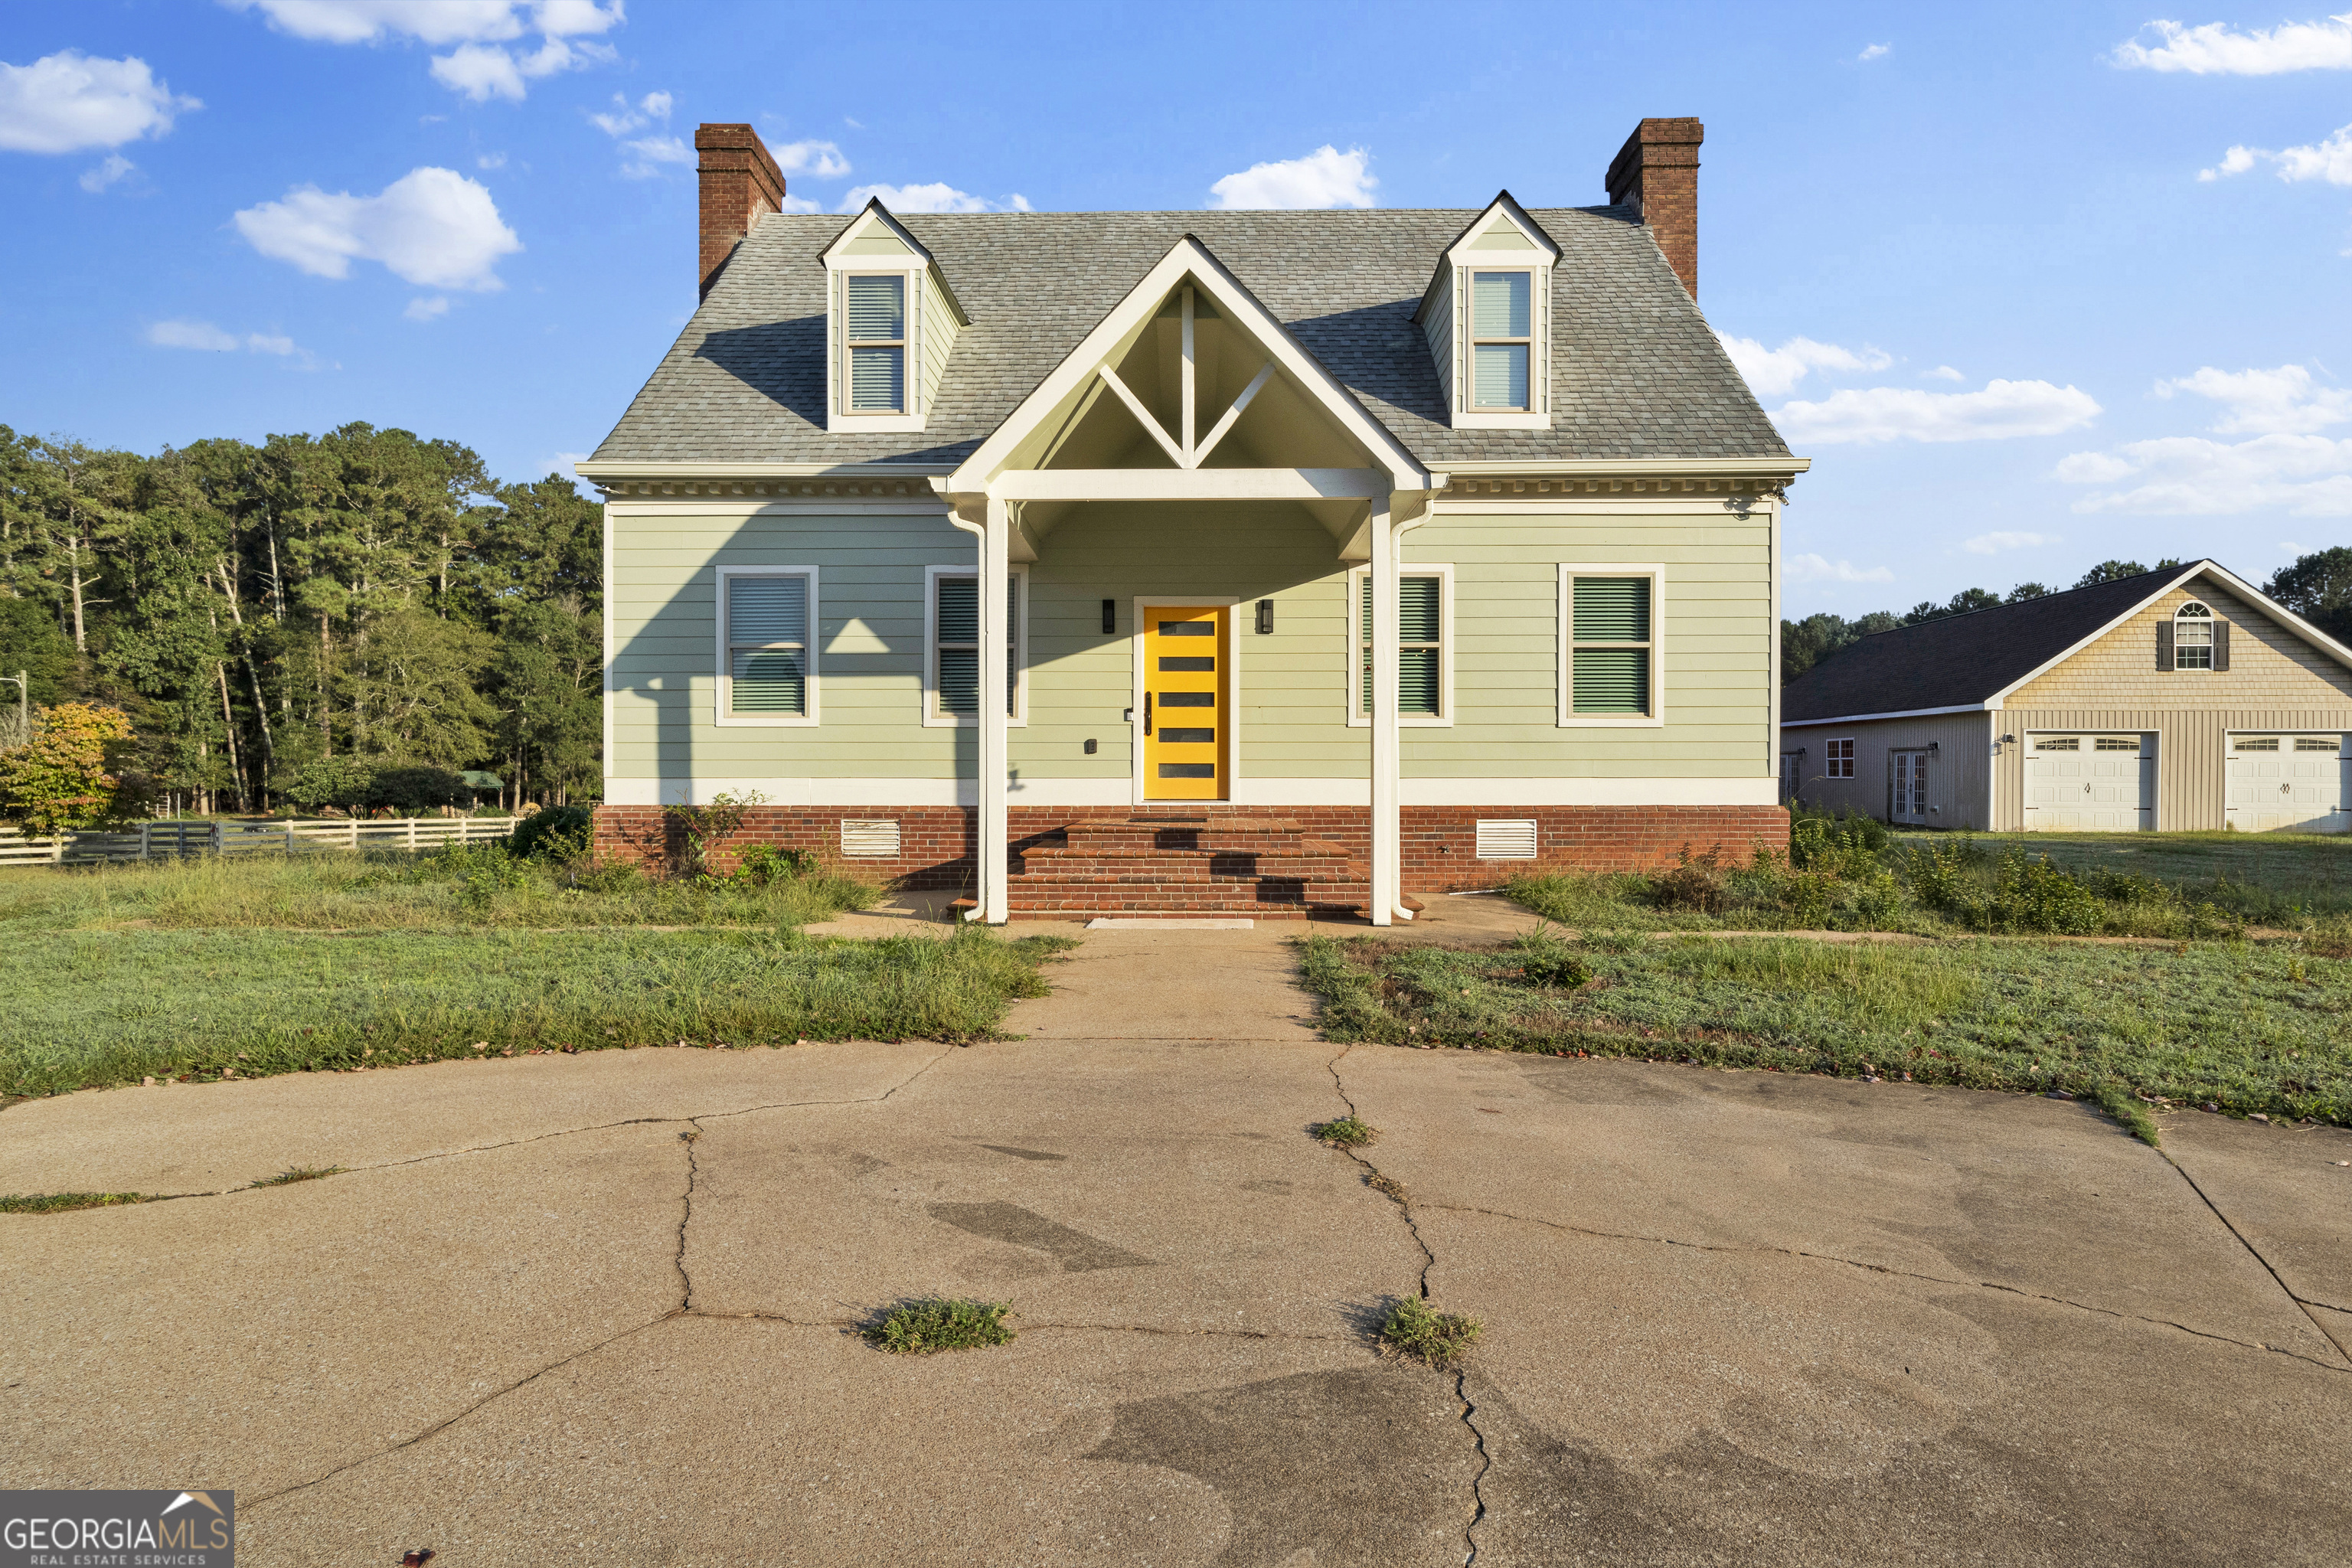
column 264, row 964
column 2246, row 1027
column 2283, row 879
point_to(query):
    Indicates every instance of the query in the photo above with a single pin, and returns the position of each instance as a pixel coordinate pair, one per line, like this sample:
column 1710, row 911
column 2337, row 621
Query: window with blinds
column 767, row 643
column 955, row 644
column 874, row 314
column 1611, row 646
column 1420, row 645
column 1502, row 339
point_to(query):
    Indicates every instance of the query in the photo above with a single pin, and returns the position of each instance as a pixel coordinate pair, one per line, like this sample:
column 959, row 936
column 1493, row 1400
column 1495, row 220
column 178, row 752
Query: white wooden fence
column 169, row 840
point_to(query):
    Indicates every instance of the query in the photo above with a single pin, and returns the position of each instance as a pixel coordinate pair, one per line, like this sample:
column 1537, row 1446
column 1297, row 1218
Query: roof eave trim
column 1187, row 255
column 599, row 469
column 1986, row 706
column 1479, row 470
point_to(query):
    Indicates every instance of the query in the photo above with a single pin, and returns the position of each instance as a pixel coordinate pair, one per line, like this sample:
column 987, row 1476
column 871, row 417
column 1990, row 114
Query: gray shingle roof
column 1635, row 372
column 1957, row 661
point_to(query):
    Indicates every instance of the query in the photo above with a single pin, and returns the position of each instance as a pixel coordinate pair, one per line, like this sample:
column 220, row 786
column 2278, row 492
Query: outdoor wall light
column 1090, row 748
column 1110, row 616
column 1265, row 616
column 1932, row 747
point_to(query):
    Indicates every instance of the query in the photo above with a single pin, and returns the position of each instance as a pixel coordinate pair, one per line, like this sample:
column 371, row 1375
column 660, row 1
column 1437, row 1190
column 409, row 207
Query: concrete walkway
column 600, row 1309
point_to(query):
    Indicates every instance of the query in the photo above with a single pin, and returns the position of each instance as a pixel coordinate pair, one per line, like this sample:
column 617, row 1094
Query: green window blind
column 767, row 643
column 1420, row 645
column 957, row 623
column 1610, row 623
column 877, row 312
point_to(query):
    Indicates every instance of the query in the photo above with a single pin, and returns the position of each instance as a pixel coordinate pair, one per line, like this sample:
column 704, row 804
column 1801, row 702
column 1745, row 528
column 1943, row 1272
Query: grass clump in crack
column 292, row 1175
column 64, row 1202
column 941, row 1324
column 1415, row 1328
column 1349, row 1131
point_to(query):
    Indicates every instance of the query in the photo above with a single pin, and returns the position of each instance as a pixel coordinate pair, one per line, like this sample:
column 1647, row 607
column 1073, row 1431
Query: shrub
column 410, row 790
column 1695, row 883
column 760, row 864
column 64, row 776
column 2025, row 894
column 1844, row 844
column 558, row 832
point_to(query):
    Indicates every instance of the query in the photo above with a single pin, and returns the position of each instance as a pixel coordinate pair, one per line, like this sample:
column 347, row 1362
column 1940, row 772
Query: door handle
column 1147, row 712
column 2086, row 789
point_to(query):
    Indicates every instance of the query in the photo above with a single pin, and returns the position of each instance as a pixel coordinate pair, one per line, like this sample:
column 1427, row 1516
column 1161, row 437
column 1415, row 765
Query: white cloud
column 2292, row 548
column 1993, row 543
column 657, row 104
column 2286, row 465
column 2330, row 160
column 491, row 160
column 2285, row 400
column 626, row 117
column 1326, row 177
column 1876, row 52
column 793, row 204
column 651, row 153
column 2003, row 409
column 2307, row 476
column 1943, row 372
column 935, row 197
column 817, row 159
column 2214, row 50
column 1821, row 569
column 423, row 309
column 1019, row 203
column 431, row 226
column 69, row 102
column 210, row 339
column 481, row 66
column 1775, row 372
column 100, row 175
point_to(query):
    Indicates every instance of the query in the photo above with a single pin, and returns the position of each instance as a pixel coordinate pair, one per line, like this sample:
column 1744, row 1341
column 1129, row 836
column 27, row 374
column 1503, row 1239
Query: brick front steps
column 1168, row 864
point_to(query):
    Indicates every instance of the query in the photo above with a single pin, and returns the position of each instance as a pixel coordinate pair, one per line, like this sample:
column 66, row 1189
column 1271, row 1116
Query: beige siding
column 1958, row 774
column 1716, row 674
column 2269, row 667
column 2192, row 748
column 1439, row 328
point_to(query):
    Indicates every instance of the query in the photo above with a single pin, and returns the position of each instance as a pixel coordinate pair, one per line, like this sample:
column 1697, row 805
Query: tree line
column 2319, row 587
column 305, row 619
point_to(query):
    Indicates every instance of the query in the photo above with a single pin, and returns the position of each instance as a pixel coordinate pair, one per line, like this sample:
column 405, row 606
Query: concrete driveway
column 600, row 1309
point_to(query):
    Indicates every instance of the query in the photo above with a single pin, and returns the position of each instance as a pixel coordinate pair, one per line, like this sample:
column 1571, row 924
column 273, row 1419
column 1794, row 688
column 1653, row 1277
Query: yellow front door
column 1186, row 697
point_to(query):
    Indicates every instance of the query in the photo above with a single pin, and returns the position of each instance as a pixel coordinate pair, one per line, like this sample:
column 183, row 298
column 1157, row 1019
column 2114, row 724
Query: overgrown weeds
column 286, row 1178
column 1415, row 1328
column 2243, row 1028
column 941, row 1324
column 64, row 1202
column 92, row 1008
column 1346, row 1132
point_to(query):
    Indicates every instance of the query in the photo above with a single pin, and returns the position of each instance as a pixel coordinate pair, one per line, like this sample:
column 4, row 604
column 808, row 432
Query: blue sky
column 2033, row 285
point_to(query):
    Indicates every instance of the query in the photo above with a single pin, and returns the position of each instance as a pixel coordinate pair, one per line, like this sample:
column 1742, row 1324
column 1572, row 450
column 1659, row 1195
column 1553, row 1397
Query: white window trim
column 2210, row 620
column 932, row 718
column 1656, row 572
column 728, row 720
column 1852, row 759
column 1470, row 415
column 842, row 418
column 1444, row 718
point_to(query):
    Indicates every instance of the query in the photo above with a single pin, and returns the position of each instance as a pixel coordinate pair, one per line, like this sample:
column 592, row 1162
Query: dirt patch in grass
column 2240, row 1027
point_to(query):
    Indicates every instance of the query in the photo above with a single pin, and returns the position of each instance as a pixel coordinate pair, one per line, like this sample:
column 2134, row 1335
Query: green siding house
column 1232, row 562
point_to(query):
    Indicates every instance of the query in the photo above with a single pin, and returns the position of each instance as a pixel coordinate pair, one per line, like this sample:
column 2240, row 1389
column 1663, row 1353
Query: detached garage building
column 2176, row 700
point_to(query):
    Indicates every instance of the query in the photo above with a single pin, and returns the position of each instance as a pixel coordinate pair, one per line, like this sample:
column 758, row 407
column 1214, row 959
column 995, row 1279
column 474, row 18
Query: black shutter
column 2164, row 644
column 2220, row 645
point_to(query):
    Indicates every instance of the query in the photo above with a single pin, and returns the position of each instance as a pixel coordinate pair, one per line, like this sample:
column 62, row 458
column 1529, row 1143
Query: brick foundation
column 935, row 846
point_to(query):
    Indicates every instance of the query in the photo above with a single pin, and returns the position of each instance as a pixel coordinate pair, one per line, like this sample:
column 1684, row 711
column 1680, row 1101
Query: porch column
column 1387, row 838
column 994, row 824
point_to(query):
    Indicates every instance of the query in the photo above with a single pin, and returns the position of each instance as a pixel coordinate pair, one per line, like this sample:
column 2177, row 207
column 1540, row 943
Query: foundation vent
column 1505, row 840
column 876, row 840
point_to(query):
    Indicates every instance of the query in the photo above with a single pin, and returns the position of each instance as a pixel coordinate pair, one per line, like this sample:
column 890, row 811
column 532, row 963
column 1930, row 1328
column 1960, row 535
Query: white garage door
column 2090, row 784
column 2289, row 784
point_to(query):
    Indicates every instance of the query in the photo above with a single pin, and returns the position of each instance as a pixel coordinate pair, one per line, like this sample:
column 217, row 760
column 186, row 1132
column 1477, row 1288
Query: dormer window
column 891, row 324
column 1487, row 316
column 876, row 341
column 1502, row 329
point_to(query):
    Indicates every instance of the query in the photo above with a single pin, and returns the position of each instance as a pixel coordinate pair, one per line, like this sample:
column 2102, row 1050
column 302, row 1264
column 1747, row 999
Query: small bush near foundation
column 1348, row 1133
column 920, row 1328
column 60, row 1203
column 1695, row 883
column 1545, row 960
column 1416, row 1328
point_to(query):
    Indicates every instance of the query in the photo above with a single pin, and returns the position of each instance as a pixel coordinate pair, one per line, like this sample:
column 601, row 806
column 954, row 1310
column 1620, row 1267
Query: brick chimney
column 1657, row 174
column 741, row 183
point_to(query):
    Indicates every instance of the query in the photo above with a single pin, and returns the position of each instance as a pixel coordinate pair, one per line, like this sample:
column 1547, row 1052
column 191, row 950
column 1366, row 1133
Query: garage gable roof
column 1954, row 663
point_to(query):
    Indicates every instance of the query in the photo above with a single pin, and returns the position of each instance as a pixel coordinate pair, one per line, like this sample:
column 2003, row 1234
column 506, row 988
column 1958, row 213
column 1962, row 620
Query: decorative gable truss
column 891, row 322
column 1487, row 316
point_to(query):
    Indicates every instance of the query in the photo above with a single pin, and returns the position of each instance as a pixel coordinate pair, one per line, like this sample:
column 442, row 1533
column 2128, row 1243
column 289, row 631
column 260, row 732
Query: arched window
column 2192, row 636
